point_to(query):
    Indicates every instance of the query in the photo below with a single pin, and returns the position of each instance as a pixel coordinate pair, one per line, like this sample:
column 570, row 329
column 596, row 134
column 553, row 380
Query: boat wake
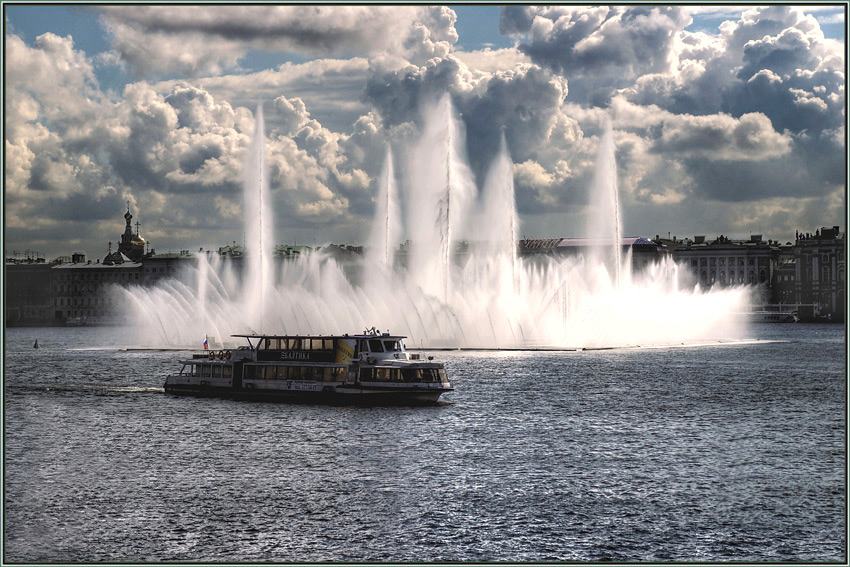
column 95, row 388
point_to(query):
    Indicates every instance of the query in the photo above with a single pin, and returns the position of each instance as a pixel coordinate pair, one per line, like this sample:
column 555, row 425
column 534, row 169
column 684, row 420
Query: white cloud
column 748, row 119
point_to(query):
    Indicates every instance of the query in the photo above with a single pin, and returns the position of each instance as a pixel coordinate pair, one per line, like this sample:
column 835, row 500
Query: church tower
column 132, row 244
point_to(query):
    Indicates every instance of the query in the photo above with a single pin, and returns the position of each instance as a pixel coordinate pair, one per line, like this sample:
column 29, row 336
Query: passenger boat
column 370, row 368
column 771, row 317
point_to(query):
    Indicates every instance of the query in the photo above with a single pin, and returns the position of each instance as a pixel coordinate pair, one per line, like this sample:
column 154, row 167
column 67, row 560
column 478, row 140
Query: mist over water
column 481, row 294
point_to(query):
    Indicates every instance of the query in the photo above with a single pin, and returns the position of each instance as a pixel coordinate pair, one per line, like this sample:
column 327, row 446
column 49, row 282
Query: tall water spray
column 441, row 191
column 498, row 225
column 477, row 295
column 258, row 228
column 386, row 227
column 605, row 228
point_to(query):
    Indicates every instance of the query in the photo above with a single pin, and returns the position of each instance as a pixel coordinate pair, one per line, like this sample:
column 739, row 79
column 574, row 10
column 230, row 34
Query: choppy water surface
column 713, row 453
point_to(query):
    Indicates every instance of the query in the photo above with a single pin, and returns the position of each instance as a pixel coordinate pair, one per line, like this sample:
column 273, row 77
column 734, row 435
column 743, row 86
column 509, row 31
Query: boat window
column 205, row 370
column 412, row 374
column 335, row 374
column 391, row 346
column 271, row 372
column 282, row 373
column 430, row 375
column 375, row 345
column 294, row 344
column 227, row 371
column 216, row 371
column 362, row 347
column 274, row 344
column 366, row 374
column 387, row 375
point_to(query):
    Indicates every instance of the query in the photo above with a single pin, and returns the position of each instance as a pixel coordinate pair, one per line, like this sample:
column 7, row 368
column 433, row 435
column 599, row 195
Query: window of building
column 825, row 259
column 702, row 262
column 825, row 274
column 762, row 276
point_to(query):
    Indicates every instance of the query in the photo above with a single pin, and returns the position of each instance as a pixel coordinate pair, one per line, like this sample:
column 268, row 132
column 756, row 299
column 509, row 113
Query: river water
column 710, row 453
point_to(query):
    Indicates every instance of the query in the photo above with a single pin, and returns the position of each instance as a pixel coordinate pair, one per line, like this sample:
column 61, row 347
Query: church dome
column 137, row 240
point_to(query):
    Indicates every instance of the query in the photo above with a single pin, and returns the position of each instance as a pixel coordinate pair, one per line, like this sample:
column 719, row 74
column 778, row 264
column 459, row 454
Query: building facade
column 820, row 271
column 28, row 290
column 87, row 294
column 725, row 262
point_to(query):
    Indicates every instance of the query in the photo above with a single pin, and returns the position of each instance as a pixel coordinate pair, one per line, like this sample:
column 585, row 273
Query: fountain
column 386, row 228
column 460, row 283
column 604, row 228
column 258, row 229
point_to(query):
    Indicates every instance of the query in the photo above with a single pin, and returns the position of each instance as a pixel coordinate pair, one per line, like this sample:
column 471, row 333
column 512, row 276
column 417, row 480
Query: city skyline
column 724, row 119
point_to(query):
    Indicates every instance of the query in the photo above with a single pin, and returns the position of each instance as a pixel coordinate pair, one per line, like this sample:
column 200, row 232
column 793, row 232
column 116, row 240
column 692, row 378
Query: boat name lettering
column 294, row 355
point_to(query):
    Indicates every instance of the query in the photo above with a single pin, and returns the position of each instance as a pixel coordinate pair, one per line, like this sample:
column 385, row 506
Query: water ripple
column 712, row 454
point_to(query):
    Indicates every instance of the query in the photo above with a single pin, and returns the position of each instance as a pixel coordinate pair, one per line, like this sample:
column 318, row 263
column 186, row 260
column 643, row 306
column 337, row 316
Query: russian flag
column 206, row 344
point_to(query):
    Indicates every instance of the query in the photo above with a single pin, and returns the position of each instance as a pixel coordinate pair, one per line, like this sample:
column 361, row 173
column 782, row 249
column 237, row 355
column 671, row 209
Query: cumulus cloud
column 176, row 154
column 720, row 127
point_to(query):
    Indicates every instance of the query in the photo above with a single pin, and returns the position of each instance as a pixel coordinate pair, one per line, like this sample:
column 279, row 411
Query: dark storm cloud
column 399, row 93
column 85, row 206
column 597, row 48
column 740, row 182
column 523, row 103
column 197, row 157
column 202, row 41
column 515, row 20
column 794, row 103
column 317, row 28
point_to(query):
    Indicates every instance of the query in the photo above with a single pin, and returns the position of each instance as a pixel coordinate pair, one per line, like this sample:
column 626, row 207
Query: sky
column 727, row 120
